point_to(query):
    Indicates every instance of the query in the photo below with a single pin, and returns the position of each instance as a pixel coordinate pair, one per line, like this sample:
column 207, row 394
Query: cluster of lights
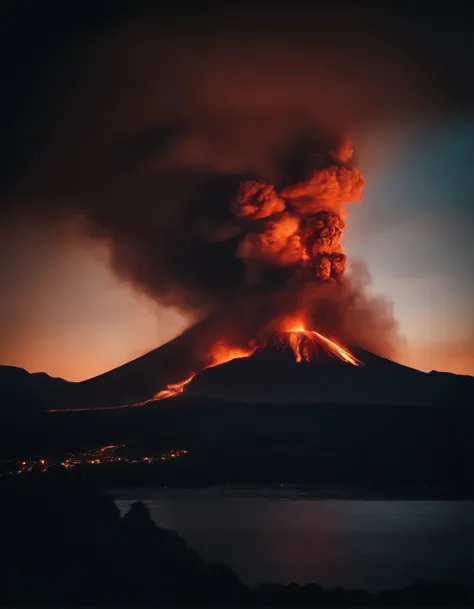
column 100, row 456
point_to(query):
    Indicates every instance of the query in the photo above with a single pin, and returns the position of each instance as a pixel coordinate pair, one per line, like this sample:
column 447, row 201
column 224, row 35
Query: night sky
column 94, row 104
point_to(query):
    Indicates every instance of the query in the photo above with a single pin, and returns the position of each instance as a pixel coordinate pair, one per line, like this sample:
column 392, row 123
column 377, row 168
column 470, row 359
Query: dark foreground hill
column 64, row 544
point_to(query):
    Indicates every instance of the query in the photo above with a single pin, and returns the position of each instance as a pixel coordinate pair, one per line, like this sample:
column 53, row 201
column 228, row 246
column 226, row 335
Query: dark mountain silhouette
column 269, row 375
column 273, row 375
column 21, row 390
column 64, row 543
column 380, row 428
column 134, row 381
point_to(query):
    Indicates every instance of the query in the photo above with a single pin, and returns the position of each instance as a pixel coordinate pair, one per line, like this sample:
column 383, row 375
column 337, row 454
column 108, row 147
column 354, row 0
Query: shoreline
column 283, row 492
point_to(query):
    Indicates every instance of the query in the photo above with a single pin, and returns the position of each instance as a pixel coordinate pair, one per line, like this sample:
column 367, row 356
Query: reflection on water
column 363, row 544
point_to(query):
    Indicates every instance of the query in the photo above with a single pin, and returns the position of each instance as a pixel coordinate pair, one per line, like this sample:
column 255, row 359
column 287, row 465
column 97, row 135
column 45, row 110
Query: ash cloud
column 154, row 125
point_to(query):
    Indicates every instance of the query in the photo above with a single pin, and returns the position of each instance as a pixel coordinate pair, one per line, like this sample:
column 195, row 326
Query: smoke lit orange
column 292, row 234
column 221, row 353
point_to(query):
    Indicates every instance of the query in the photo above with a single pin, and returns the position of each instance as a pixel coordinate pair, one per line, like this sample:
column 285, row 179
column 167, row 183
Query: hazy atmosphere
column 77, row 296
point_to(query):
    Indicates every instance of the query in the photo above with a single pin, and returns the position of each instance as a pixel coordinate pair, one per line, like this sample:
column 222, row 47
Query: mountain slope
column 270, row 375
column 274, row 376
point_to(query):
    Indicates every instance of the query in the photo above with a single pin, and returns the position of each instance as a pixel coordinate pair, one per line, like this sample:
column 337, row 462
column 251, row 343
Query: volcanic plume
column 293, row 292
column 283, row 269
column 291, row 247
column 299, row 227
column 189, row 147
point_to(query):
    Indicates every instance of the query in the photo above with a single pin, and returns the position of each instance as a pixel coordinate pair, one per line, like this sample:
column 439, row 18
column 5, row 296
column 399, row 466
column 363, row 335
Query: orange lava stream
column 87, row 409
column 120, row 407
column 339, row 351
column 171, row 390
column 299, row 349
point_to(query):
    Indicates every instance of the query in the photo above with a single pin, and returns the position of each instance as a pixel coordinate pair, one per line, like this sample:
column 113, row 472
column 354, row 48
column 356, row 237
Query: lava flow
column 171, row 390
column 220, row 354
column 299, row 340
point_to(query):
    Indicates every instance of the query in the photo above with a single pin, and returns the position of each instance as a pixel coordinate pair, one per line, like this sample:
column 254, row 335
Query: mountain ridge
column 379, row 380
column 274, row 375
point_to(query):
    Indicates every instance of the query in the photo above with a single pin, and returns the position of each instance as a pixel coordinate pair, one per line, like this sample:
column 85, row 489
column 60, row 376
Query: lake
column 276, row 537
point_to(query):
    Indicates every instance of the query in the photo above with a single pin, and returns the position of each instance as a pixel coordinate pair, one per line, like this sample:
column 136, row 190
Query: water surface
column 266, row 537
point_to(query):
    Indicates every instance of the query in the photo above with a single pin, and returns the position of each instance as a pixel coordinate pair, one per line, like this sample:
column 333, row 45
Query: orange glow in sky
column 80, row 321
column 93, row 324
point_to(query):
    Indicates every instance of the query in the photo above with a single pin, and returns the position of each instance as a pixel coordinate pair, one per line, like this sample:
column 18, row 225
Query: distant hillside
column 21, row 390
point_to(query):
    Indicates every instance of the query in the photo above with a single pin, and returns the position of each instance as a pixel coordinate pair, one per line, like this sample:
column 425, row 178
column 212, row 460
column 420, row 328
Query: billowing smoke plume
column 303, row 222
column 196, row 155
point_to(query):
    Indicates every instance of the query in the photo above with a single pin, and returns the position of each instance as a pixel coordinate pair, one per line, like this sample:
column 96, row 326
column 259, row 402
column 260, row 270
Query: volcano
column 270, row 373
column 261, row 341
column 273, row 375
column 288, row 367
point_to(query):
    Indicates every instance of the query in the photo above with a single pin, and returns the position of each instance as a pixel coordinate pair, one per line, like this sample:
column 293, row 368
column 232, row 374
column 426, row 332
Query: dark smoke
column 158, row 124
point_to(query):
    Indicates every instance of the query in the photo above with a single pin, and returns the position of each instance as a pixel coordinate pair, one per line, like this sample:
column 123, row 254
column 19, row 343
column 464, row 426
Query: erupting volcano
column 292, row 240
column 291, row 249
column 273, row 278
column 305, row 345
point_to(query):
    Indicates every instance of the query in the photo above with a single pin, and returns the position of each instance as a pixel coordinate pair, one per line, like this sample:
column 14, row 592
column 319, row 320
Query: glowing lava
column 222, row 353
column 300, row 339
column 171, row 390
